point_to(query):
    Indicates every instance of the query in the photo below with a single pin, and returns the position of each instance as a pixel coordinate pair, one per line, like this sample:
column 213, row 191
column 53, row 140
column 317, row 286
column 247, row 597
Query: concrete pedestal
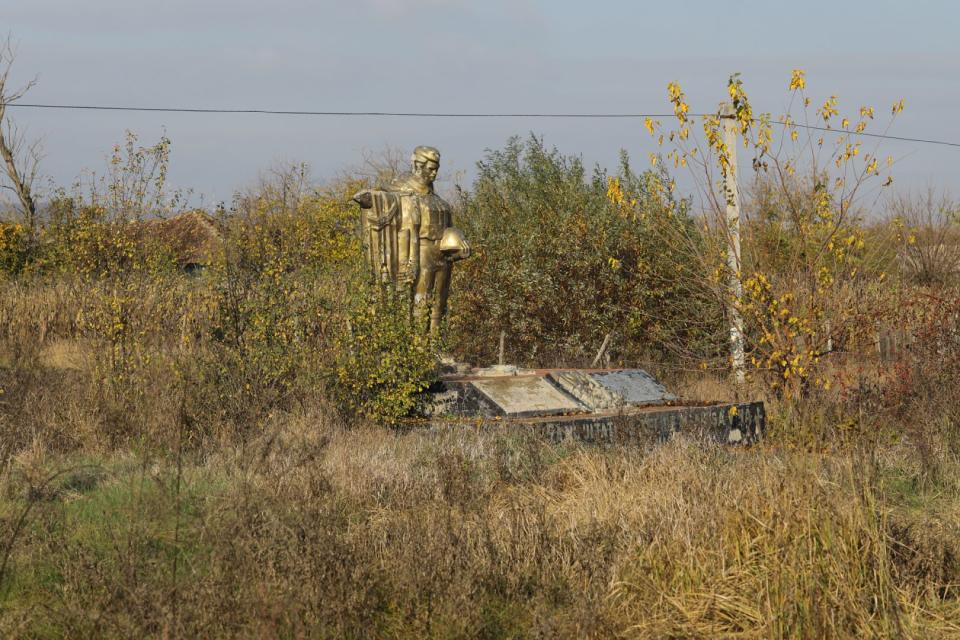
column 604, row 406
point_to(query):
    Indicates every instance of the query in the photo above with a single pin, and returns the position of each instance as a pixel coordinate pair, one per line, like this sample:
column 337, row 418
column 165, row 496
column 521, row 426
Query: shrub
column 563, row 258
column 382, row 361
column 14, row 246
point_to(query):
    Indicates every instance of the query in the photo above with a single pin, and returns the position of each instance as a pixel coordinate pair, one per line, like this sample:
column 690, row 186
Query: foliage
column 382, row 362
column 252, row 331
column 562, row 258
column 809, row 281
column 14, row 248
column 100, row 229
column 274, row 296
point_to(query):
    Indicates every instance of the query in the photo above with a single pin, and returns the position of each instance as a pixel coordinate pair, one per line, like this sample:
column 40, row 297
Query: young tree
column 21, row 159
column 808, row 283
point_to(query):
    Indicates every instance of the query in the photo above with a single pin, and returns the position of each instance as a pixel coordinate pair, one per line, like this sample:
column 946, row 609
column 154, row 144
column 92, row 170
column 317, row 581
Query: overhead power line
column 873, row 135
column 397, row 114
column 412, row 114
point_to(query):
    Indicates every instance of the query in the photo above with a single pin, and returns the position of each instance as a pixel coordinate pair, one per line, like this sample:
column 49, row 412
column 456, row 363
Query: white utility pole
column 732, row 194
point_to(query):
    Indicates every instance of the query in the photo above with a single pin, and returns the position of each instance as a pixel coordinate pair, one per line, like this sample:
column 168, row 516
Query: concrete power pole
column 732, row 194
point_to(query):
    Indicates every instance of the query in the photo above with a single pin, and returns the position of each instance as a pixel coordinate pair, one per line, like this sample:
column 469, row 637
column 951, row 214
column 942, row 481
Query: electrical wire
column 411, row 114
column 396, row 114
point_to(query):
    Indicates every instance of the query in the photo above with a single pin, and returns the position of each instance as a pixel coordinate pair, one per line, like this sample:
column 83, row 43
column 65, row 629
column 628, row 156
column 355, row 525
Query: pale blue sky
column 458, row 55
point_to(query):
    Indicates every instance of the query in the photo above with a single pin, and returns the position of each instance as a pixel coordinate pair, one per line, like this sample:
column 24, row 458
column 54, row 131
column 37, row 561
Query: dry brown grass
column 316, row 530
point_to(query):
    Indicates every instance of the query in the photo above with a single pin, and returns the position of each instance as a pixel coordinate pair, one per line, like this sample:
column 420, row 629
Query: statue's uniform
column 402, row 230
column 433, row 281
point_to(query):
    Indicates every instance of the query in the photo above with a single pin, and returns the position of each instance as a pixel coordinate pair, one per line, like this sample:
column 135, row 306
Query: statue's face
column 426, row 170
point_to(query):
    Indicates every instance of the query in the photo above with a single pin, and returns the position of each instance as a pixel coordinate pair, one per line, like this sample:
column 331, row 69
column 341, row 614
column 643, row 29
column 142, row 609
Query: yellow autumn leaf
column 797, row 80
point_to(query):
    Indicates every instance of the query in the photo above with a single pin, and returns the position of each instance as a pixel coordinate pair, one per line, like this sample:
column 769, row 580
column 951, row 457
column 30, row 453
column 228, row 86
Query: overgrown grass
column 312, row 529
column 173, row 465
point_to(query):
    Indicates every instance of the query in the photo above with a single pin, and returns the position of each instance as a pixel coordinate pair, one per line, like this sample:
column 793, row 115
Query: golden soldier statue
column 409, row 238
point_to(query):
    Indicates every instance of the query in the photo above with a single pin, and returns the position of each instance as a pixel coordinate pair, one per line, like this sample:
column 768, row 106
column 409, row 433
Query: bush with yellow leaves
column 13, row 248
column 382, row 362
column 811, row 280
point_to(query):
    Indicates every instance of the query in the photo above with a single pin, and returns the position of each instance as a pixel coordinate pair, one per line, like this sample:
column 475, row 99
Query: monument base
column 603, row 406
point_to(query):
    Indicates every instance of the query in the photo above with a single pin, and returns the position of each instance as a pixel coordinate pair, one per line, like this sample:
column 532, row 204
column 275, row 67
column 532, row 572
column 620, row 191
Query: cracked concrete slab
column 519, row 396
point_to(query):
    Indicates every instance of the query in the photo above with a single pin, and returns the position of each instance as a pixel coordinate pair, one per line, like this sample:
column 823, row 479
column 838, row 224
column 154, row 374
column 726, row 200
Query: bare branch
column 20, row 162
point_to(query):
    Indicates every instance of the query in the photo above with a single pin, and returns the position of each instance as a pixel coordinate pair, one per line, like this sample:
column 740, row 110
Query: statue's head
column 426, row 164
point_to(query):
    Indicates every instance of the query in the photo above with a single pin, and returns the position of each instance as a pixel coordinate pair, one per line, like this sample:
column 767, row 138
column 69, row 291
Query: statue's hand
column 453, row 245
column 462, row 253
column 364, row 199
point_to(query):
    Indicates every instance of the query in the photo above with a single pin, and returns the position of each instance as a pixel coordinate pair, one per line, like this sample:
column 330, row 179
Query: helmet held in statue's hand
column 453, row 245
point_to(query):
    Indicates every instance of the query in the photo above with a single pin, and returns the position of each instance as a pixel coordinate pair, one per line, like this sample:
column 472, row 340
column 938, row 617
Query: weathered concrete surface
column 741, row 423
column 587, row 405
column 508, row 391
column 521, row 396
column 636, row 386
column 728, row 424
column 500, row 370
column 585, row 388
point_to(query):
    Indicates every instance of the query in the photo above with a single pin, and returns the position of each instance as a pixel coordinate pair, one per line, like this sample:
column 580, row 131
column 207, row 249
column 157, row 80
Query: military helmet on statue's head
column 424, row 154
